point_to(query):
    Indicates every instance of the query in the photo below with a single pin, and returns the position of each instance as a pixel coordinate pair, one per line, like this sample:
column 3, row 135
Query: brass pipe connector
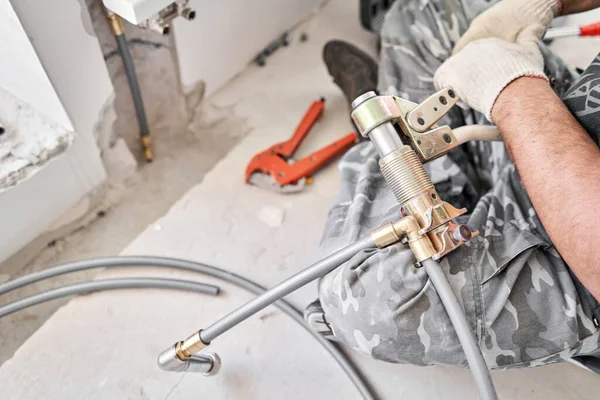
column 147, row 145
column 186, row 349
column 408, row 228
column 115, row 23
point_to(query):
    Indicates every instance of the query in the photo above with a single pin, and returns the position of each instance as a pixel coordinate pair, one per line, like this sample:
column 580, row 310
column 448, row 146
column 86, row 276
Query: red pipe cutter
column 276, row 170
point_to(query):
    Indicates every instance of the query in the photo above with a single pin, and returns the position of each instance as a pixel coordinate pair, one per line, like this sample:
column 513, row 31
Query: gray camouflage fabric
column 522, row 301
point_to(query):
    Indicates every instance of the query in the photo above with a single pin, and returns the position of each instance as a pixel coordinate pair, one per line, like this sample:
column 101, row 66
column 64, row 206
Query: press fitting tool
column 406, row 136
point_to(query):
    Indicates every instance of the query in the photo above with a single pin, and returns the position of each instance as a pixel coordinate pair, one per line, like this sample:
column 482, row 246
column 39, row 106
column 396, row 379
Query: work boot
column 353, row 70
column 315, row 317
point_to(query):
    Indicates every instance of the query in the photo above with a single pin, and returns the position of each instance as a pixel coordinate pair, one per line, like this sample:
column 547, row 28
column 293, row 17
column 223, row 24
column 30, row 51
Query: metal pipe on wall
column 118, row 29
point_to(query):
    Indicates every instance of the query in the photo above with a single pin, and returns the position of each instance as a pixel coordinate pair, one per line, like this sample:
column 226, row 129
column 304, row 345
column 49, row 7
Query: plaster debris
column 272, row 216
column 119, row 162
column 29, row 140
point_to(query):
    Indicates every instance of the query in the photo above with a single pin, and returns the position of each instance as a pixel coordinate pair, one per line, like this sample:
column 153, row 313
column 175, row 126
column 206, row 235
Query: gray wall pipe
column 134, row 86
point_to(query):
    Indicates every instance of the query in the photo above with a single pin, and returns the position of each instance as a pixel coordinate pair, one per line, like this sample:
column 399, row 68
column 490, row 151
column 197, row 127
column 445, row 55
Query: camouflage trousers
column 522, row 301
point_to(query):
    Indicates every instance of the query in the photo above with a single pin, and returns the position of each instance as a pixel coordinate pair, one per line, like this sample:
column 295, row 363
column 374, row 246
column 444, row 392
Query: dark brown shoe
column 353, row 70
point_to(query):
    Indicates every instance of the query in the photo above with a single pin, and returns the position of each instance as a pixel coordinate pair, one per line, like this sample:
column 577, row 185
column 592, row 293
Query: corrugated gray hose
column 140, row 261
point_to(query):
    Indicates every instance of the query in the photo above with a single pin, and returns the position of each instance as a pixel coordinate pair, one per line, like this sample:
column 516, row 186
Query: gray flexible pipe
column 477, row 364
column 284, row 288
column 140, row 261
column 107, row 284
column 134, row 86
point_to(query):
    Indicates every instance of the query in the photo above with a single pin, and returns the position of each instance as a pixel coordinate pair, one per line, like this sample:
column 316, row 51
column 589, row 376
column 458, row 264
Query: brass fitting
column 408, row 228
column 385, row 235
column 190, row 346
column 115, row 23
column 147, row 145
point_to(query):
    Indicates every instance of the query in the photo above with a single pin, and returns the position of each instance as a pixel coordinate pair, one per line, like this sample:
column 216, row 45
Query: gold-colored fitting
column 147, row 145
column 190, row 346
column 115, row 23
column 385, row 235
column 408, row 227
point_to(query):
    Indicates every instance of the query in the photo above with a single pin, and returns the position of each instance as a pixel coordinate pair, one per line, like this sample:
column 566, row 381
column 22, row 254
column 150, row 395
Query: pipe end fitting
column 190, row 346
column 147, row 147
column 168, row 361
column 206, row 364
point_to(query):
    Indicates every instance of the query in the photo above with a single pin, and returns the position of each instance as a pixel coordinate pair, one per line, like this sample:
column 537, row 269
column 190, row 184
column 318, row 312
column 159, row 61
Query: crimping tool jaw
column 378, row 117
column 405, row 135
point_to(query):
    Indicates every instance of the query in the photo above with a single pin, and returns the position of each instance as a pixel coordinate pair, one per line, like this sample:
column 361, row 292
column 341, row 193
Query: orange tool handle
column 590, row 29
column 314, row 111
column 308, row 165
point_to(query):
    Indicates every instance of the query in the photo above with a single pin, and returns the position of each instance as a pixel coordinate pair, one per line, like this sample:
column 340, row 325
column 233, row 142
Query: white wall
column 71, row 58
column 22, row 73
column 227, row 34
column 27, row 99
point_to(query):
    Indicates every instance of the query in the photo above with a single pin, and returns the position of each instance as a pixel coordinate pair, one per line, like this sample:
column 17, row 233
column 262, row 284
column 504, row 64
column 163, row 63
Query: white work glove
column 480, row 71
column 509, row 19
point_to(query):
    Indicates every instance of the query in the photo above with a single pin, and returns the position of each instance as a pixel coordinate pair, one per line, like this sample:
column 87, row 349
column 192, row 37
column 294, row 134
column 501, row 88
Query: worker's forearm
column 575, row 6
column 560, row 167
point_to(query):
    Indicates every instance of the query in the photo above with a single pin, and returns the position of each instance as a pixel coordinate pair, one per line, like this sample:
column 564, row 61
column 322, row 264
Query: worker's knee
column 381, row 305
column 526, row 313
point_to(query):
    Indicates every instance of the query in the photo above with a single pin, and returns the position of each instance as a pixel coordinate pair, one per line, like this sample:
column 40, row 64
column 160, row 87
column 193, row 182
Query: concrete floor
column 104, row 346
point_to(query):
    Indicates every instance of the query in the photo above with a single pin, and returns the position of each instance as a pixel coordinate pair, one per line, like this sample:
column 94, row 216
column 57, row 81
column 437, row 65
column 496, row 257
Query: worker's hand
column 480, row 71
column 510, row 20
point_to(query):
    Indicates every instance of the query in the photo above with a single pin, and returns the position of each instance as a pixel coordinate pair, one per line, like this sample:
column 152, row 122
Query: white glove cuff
column 508, row 70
